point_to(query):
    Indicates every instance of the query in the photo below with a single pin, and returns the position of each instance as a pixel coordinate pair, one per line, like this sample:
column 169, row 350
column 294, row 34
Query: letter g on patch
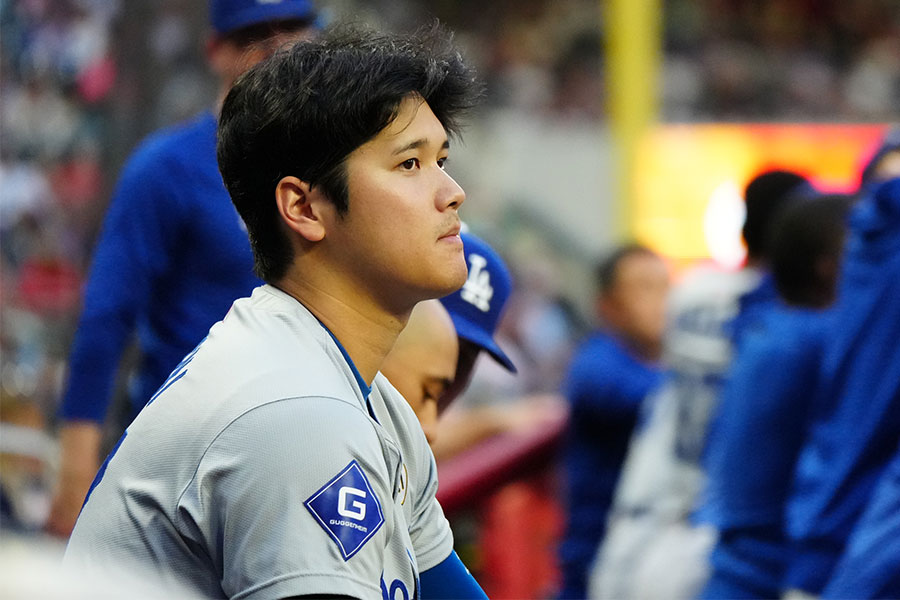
column 359, row 512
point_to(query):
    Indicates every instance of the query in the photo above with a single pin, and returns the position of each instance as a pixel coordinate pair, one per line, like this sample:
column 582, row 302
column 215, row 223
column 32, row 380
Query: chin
column 459, row 274
column 446, row 285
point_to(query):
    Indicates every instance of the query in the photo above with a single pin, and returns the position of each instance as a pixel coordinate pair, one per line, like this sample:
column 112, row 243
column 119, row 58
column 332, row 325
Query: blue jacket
column 605, row 387
column 764, row 410
column 856, row 427
column 870, row 566
column 171, row 258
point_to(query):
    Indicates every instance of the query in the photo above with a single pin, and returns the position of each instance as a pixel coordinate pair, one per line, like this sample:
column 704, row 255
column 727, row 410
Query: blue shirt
column 764, row 410
column 172, row 256
column 857, row 422
column 605, row 387
column 870, row 566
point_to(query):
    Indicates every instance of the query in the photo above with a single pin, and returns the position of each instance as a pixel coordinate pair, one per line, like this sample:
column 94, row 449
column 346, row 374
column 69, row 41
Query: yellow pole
column 633, row 50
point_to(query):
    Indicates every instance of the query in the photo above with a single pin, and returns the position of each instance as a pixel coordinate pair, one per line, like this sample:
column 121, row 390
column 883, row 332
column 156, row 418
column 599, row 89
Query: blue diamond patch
column 348, row 509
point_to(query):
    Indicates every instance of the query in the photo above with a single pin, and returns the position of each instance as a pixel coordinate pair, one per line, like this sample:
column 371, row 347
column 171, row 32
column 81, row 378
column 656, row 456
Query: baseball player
column 432, row 361
column 276, row 461
column 855, row 428
column 422, row 363
column 610, row 374
column 172, row 255
column 769, row 396
column 870, row 564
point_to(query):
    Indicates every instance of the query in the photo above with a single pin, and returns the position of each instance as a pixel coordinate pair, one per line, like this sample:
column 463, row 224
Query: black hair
column 305, row 109
column 805, row 233
column 607, row 270
column 764, row 196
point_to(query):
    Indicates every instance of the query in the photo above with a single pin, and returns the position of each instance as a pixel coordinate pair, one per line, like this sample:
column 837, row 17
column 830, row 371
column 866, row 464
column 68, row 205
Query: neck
column 366, row 331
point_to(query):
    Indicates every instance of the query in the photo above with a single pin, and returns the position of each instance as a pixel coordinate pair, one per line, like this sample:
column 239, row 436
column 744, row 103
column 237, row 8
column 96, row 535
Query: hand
column 530, row 412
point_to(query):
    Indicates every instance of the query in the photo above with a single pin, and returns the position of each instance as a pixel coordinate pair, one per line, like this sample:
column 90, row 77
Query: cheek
column 653, row 313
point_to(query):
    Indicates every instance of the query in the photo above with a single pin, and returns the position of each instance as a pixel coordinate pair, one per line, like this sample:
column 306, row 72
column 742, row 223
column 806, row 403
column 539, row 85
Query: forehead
column 415, row 123
column 640, row 265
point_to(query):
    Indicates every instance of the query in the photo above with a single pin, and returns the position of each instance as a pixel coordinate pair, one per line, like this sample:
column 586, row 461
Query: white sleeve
column 290, row 499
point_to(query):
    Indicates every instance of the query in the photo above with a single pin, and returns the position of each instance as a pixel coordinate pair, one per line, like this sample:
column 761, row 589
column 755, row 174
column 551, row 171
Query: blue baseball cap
column 230, row 15
column 477, row 306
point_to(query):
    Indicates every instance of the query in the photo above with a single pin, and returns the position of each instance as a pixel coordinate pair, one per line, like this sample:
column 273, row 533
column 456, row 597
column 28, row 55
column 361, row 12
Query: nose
column 451, row 194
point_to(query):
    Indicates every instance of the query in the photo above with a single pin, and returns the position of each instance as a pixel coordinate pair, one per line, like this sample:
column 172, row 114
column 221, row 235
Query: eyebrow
column 416, row 144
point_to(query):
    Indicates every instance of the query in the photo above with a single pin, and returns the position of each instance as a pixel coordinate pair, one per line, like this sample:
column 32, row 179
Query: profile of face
column 635, row 306
column 422, row 363
column 399, row 238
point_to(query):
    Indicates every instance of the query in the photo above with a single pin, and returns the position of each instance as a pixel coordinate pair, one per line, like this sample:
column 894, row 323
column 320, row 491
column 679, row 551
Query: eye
column 410, row 164
column 442, row 162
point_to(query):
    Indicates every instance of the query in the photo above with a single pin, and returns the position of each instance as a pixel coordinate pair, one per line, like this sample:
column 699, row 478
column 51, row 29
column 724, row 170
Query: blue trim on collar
column 363, row 386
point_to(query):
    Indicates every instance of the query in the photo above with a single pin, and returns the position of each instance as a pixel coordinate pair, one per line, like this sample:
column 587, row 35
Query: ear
column 300, row 208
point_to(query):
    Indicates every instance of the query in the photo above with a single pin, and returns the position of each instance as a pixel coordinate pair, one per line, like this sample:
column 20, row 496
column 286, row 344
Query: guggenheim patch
column 348, row 509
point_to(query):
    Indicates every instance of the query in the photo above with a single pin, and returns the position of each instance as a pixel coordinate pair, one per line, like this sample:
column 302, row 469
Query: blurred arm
column 79, row 443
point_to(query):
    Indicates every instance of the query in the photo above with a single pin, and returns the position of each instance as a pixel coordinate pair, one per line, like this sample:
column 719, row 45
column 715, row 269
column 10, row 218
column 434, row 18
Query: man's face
column 636, row 305
column 400, row 235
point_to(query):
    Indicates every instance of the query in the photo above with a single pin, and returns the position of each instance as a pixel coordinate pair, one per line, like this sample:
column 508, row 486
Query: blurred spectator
column 658, row 535
column 855, row 427
column 768, row 396
column 172, row 256
column 50, row 54
column 610, row 375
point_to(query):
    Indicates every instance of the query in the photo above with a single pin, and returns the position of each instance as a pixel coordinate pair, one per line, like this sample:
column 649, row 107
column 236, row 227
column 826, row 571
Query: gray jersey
column 261, row 470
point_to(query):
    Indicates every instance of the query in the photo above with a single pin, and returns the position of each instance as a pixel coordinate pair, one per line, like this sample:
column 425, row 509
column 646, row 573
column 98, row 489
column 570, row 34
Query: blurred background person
column 434, row 356
column 870, row 564
column 172, row 256
column 610, row 375
column 657, row 539
column 854, row 432
column 477, row 311
column 767, row 400
column 422, row 363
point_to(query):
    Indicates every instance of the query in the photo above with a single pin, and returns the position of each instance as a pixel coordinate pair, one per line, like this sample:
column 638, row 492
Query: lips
column 453, row 231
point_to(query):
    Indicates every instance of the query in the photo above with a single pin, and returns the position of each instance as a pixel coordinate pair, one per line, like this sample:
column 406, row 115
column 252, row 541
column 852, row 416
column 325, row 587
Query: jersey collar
column 364, row 387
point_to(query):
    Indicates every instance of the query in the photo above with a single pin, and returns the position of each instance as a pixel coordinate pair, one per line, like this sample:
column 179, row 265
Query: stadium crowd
column 723, row 481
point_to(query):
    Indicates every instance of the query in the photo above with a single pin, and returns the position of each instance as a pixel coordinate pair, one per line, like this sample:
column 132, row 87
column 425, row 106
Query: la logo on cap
column 477, row 290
